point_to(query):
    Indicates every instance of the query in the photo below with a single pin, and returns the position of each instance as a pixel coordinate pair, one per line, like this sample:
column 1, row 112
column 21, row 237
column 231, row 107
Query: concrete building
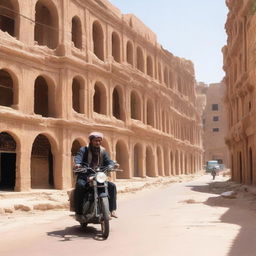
column 239, row 64
column 215, row 123
column 71, row 67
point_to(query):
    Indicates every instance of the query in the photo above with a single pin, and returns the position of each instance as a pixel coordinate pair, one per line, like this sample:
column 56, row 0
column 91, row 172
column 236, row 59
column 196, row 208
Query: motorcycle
column 95, row 203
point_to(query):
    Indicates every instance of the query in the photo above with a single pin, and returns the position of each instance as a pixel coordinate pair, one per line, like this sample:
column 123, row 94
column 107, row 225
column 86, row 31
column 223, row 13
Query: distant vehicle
column 212, row 164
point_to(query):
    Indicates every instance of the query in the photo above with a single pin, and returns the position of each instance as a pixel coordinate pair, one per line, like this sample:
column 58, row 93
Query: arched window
column 98, row 40
column 77, row 32
column 186, row 164
column 240, row 167
column 149, row 66
column 181, row 163
column 167, row 127
column 9, row 17
column 163, row 121
column 172, row 164
column 117, row 101
column 46, row 25
column 251, row 166
column 159, row 73
column 99, row 99
column 43, row 98
column 192, row 166
column 166, row 76
column 150, row 113
column 74, row 149
column 129, row 53
column 137, row 160
column 177, row 162
column 6, row 89
column 116, row 47
column 122, row 157
column 105, row 144
column 77, row 96
column 135, row 106
column 42, row 166
column 160, row 161
column 150, row 162
column 166, row 162
column 140, row 60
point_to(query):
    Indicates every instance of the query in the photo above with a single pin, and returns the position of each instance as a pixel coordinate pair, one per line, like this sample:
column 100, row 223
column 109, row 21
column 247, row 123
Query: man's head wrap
column 94, row 135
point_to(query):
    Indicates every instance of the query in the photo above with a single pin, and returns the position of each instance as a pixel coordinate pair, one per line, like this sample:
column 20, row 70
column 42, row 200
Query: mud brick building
column 69, row 67
column 239, row 64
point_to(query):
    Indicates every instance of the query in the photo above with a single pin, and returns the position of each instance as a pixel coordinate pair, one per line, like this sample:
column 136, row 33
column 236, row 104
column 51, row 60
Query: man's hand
column 77, row 166
column 90, row 178
column 110, row 167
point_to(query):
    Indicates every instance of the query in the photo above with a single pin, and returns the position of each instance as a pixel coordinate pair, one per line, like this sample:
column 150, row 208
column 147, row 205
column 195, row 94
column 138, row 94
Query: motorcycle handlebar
column 84, row 169
column 80, row 170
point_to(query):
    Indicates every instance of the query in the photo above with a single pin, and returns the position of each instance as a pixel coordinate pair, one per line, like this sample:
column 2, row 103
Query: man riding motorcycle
column 94, row 155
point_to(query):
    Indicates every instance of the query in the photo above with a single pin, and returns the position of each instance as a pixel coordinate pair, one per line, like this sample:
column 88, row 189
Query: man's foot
column 79, row 217
column 113, row 214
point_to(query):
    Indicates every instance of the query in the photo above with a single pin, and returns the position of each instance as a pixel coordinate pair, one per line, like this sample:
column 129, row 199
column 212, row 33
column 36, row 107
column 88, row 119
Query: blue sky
column 191, row 29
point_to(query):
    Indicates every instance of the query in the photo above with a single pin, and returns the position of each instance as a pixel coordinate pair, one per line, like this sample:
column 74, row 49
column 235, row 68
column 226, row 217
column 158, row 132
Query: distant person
column 213, row 172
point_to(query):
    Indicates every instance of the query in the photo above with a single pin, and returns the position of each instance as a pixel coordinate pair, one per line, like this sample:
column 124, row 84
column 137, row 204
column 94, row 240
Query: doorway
column 42, row 164
column 7, row 171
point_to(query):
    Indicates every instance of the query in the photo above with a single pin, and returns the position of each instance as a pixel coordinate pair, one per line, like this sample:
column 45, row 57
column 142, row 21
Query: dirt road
column 180, row 219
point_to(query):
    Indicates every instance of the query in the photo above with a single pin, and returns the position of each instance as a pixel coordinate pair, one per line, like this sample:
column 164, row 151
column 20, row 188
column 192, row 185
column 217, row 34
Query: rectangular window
column 215, row 118
column 215, row 129
column 215, row 107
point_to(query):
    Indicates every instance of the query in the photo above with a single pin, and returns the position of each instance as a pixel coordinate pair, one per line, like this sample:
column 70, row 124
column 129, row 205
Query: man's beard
column 95, row 150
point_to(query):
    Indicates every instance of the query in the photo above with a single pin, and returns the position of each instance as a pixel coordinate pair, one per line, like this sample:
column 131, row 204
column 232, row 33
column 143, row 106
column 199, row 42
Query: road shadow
column 215, row 186
column 241, row 211
column 77, row 232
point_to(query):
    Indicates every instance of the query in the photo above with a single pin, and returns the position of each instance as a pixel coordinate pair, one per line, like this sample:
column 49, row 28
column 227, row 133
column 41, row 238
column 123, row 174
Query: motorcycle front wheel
column 105, row 217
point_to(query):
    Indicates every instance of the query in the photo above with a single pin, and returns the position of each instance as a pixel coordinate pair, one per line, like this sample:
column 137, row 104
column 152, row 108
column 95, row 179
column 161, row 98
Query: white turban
column 95, row 135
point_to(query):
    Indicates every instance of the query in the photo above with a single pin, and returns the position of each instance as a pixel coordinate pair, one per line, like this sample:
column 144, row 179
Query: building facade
column 215, row 124
column 69, row 67
column 239, row 65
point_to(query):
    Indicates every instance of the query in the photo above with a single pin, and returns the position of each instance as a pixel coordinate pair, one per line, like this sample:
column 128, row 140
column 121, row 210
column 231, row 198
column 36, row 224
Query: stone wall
column 239, row 64
column 75, row 66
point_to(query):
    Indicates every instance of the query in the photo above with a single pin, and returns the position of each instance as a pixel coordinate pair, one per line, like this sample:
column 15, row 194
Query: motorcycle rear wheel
column 105, row 219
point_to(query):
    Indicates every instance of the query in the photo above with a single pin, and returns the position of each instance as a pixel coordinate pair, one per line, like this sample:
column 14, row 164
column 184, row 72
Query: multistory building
column 215, row 124
column 71, row 67
column 239, row 65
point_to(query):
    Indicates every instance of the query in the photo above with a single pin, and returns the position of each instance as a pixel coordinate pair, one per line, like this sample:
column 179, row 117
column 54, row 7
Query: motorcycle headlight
column 101, row 177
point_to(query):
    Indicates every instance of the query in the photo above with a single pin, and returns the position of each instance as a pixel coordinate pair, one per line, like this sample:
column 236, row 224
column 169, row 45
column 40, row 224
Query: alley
column 180, row 219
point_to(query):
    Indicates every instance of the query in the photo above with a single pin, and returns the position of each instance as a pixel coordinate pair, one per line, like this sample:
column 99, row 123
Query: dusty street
column 179, row 219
